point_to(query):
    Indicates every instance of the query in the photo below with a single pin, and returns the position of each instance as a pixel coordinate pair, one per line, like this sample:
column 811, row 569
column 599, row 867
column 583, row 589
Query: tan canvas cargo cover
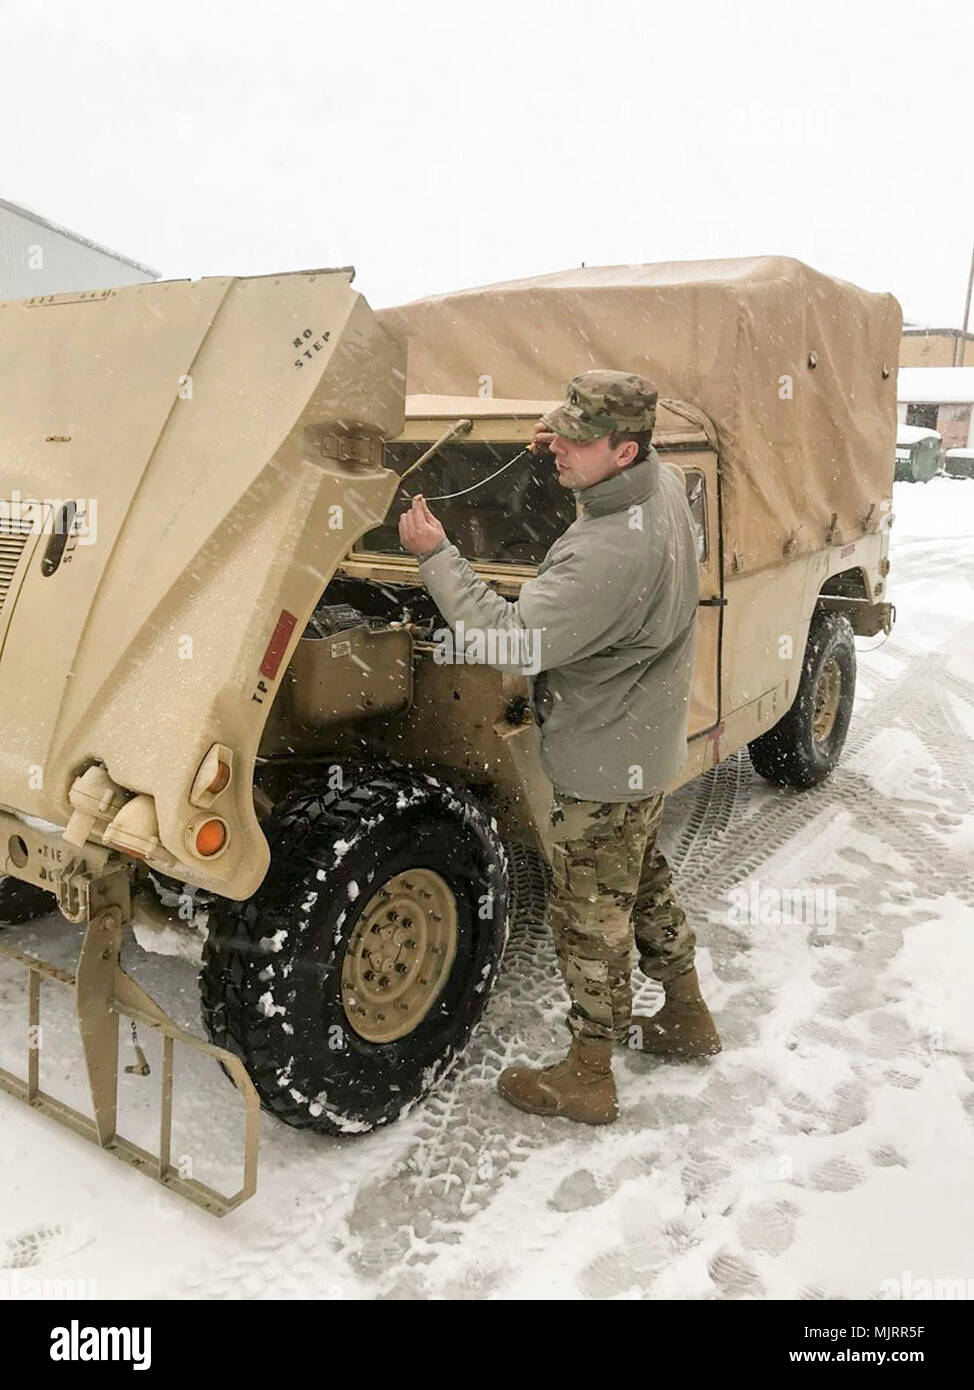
column 796, row 370
column 222, row 441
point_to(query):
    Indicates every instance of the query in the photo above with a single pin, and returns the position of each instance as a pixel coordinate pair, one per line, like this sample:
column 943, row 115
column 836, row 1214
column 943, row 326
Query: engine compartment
column 387, row 603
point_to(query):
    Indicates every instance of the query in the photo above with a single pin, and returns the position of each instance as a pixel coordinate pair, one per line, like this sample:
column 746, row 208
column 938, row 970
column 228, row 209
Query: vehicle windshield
column 515, row 518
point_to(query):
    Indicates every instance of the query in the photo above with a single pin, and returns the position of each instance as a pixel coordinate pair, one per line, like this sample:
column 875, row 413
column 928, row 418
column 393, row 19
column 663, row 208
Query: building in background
column 938, row 398
column 935, row 347
column 37, row 257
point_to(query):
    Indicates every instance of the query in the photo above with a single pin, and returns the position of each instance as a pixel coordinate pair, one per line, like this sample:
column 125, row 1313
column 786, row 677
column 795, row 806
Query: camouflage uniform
column 611, row 886
column 615, row 610
column 598, row 403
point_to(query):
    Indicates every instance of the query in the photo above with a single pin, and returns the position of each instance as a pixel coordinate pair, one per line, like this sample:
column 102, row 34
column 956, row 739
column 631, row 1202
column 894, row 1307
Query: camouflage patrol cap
column 597, row 403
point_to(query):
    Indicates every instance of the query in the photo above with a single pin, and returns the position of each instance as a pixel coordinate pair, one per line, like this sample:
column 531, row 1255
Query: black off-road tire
column 22, row 902
column 271, row 982
column 790, row 754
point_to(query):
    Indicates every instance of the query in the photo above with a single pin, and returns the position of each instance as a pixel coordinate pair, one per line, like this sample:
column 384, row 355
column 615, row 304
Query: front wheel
column 351, row 981
column 22, row 902
column 805, row 744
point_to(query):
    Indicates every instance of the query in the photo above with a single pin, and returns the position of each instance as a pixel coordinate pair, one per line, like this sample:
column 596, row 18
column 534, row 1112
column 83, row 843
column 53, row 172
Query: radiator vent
column 14, row 535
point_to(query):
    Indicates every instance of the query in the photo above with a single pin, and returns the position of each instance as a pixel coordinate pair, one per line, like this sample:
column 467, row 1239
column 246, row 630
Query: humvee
column 225, row 716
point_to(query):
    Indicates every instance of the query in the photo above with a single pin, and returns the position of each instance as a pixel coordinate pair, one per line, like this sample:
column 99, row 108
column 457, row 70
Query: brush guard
column 105, row 993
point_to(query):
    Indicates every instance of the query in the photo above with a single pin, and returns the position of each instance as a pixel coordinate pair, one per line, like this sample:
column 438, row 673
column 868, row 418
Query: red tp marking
column 277, row 646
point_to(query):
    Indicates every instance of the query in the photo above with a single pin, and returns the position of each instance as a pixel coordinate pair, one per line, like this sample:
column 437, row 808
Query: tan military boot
column 683, row 1027
column 579, row 1088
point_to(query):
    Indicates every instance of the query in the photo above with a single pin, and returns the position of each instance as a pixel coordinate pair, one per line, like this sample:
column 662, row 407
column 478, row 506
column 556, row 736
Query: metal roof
column 935, row 385
column 32, row 216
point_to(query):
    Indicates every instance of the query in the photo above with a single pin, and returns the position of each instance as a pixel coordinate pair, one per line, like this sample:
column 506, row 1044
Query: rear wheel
column 804, row 746
column 351, row 981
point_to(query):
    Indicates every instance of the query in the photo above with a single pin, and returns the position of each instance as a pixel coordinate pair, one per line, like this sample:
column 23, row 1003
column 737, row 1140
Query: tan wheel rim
column 827, row 694
column 400, row 955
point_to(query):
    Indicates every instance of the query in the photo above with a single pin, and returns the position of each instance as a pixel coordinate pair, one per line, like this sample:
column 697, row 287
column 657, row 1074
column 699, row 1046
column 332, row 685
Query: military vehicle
column 225, row 712
column 778, row 390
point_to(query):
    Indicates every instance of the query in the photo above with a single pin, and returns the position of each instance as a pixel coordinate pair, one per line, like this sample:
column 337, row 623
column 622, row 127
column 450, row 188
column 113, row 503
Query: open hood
column 182, row 467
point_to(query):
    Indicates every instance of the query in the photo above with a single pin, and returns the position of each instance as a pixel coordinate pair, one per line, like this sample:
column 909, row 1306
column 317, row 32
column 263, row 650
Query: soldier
column 610, row 618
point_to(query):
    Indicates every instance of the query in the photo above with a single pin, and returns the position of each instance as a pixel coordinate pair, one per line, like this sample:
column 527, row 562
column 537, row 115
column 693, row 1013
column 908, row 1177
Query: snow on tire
column 804, row 746
column 351, row 981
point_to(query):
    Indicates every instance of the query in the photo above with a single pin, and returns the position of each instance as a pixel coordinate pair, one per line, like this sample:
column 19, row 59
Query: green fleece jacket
column 607, row 630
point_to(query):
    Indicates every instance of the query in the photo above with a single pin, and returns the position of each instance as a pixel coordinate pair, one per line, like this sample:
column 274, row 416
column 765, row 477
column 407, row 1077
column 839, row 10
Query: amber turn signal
column 210, row 838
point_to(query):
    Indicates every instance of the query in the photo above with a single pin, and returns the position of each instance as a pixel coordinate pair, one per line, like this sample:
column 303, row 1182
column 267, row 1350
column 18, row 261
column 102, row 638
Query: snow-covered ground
column 828, row 1152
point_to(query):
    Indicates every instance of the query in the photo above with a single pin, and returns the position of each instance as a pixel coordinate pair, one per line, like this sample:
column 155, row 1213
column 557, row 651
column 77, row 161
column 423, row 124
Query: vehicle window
column 697, row 498
column 514, row 518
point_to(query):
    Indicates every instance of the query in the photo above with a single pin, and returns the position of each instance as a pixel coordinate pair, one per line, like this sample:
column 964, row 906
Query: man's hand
column 419, row 530
column 540, row 440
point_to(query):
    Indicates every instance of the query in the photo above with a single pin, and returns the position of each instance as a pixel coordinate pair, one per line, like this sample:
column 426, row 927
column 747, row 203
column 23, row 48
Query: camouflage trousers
column 611, row 889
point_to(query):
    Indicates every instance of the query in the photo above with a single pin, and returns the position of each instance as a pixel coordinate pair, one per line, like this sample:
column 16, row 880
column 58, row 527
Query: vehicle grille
column 13, row 537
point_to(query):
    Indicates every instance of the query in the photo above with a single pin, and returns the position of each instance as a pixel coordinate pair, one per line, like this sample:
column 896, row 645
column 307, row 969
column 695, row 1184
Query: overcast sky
column 437, row 145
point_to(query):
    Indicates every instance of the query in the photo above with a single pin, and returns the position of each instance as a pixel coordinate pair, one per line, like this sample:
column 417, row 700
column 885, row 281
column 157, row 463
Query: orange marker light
column 210, row 838
column 221, row 779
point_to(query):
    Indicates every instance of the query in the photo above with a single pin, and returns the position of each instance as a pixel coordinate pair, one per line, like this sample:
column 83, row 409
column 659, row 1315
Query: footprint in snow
column 615, row 1272
column 768, row 1227
column 579, row 1191
column 850, row 1107
column 904, row 1080
column 702, row 1172
column 893, row 1031
column 835, row 1175
column 886, row 1156
column 38, row 1243
column 734, row 1277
